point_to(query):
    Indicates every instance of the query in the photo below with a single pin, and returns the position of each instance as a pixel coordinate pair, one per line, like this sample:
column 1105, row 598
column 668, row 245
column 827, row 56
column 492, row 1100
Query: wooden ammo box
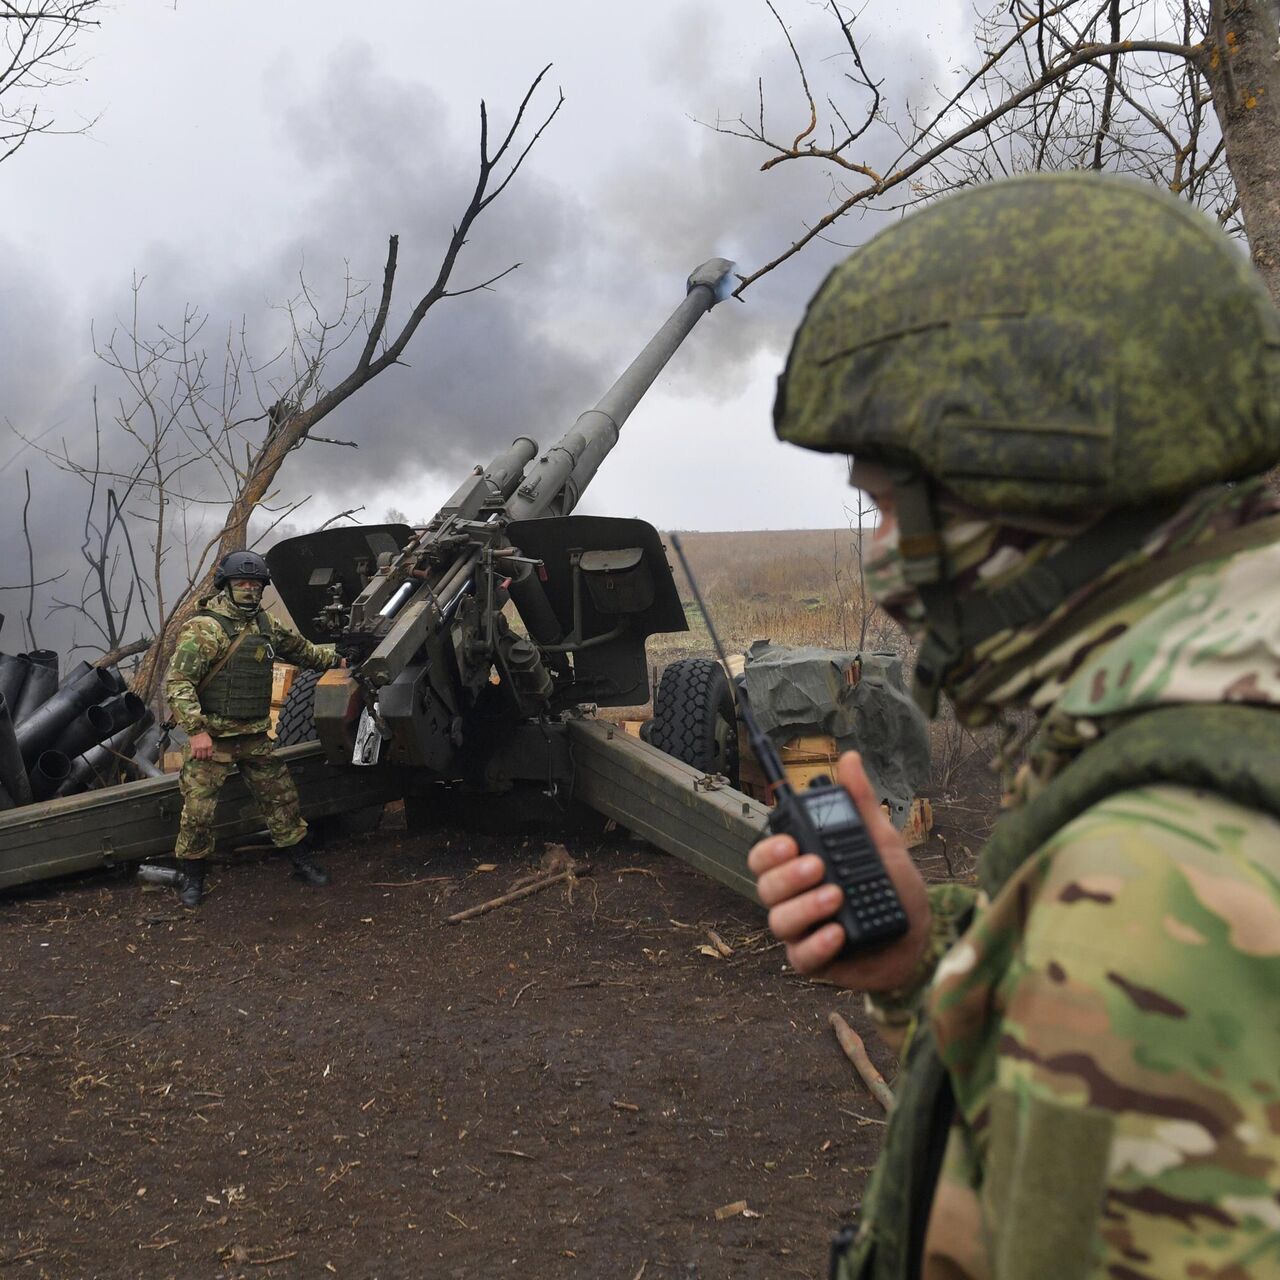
column 814, row 756
column 282, row 675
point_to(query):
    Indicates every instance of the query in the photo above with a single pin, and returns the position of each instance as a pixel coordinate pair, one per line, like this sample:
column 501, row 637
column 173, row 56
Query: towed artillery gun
column 448, row 694
column 440, row 677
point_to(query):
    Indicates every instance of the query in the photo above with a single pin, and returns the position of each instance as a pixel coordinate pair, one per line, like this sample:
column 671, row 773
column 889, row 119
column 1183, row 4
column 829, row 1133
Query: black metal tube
column 49, row 772
column 45, row 724
column 13, row 773
column 98, row 765
column 144, row 768
column 125, row 709
column 89, row 728
column 13, row 675
column 75, row 673
column 539, row 618
column 41, row 684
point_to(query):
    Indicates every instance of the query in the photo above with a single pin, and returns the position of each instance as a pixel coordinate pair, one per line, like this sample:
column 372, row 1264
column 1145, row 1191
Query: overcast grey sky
column 240, row 140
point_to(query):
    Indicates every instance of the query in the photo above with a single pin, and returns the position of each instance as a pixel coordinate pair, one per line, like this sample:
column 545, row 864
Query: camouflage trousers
column 267, row 778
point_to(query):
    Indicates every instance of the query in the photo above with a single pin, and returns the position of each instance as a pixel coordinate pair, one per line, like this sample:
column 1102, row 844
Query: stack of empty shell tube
column 58, row 737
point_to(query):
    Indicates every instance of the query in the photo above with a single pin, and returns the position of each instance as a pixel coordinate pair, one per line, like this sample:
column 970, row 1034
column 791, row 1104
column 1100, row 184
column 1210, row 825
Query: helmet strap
column 924, row 567
column 919, row 539
column 959, row 622
column 958, row 625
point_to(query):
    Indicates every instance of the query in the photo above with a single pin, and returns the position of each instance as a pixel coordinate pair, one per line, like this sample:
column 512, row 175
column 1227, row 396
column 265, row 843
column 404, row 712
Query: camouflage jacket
column 1108, row 1021
column 202, row 643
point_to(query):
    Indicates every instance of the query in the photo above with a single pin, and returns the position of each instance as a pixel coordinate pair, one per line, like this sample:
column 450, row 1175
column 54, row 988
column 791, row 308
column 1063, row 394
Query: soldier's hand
column 801, row 907
column 201, row 746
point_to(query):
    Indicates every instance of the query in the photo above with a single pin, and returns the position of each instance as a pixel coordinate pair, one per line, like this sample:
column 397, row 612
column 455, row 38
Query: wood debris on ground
column 856, row 1052
column 558, row 866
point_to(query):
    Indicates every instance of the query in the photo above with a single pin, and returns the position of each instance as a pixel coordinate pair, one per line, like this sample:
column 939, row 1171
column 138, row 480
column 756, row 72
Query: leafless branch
column 346, row 444
column 39, row 582
column 1108, row 96
column 804, row 81
column 484, row 284
column 1046, row 90
column 37, row 43
column 342, row 515
column 31, row 561
column 114, row 656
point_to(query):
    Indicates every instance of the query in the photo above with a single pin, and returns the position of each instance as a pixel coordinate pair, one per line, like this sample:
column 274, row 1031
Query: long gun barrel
column 551, row 485
column 555, row 481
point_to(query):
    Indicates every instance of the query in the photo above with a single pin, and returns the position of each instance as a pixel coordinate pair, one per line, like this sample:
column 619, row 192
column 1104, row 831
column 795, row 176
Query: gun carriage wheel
column 297, row 721
column 694, row 718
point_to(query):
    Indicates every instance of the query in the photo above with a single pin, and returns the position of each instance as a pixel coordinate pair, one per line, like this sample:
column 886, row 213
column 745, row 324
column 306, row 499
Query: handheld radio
column 822, row 819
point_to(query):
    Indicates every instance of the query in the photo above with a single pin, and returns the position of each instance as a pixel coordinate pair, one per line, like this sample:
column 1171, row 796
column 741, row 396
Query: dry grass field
column 796, row 586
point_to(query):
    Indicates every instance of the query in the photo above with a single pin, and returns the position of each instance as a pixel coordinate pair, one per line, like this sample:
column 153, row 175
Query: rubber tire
column 694, row 700
column 297, row 723
column 297, row 720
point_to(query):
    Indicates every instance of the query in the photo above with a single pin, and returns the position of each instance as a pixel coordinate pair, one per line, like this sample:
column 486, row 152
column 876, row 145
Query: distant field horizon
column 789, row 586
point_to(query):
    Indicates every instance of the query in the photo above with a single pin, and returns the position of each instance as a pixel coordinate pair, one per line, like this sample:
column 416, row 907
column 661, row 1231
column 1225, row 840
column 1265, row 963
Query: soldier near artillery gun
column 219, row 689
column 1062, row 391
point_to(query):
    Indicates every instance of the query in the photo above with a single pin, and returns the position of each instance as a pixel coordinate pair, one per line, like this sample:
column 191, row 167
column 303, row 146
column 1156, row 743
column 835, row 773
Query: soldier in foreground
column 1060, row 392
column 219, row 690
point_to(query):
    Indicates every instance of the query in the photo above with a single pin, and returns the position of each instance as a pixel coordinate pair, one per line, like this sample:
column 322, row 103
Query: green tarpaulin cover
column 800, row 691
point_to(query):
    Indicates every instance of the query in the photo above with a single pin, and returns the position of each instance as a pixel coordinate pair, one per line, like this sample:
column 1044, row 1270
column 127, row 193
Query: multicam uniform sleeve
column 200, row 644
column 1124, row 1109
column 291, row 647
column 952, row 906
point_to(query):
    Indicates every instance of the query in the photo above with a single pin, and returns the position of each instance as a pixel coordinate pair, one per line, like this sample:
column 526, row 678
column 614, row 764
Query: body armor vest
column 1230, row 750
column 241, row 690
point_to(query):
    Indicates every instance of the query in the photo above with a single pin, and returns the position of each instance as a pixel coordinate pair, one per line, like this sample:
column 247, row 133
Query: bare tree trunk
column 1246, row 97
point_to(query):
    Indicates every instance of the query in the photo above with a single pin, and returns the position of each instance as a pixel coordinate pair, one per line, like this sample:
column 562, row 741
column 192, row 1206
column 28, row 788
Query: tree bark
column 1250, row 122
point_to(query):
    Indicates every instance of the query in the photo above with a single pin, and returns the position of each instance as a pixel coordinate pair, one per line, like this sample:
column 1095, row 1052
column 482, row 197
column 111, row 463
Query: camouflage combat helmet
column 1050, row 344
column 1072, row 346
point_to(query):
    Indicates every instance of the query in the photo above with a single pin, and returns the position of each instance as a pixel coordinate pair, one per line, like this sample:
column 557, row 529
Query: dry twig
column 856, row 1052
column 721, row 946
column 405, row 884
column 504, row 899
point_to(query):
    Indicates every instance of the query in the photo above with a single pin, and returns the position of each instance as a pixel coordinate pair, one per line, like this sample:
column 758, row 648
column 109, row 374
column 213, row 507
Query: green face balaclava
column 246, row 595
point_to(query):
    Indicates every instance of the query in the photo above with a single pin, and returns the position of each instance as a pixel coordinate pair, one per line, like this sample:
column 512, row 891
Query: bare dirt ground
column 300, row 1082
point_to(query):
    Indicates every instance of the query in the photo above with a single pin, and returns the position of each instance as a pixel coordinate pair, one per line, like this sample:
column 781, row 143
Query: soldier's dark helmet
column 241, row 564
column 1062, row 347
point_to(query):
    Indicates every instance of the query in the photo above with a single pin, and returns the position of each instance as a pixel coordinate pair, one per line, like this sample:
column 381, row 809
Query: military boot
column 304, row 866
column 191, row 889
